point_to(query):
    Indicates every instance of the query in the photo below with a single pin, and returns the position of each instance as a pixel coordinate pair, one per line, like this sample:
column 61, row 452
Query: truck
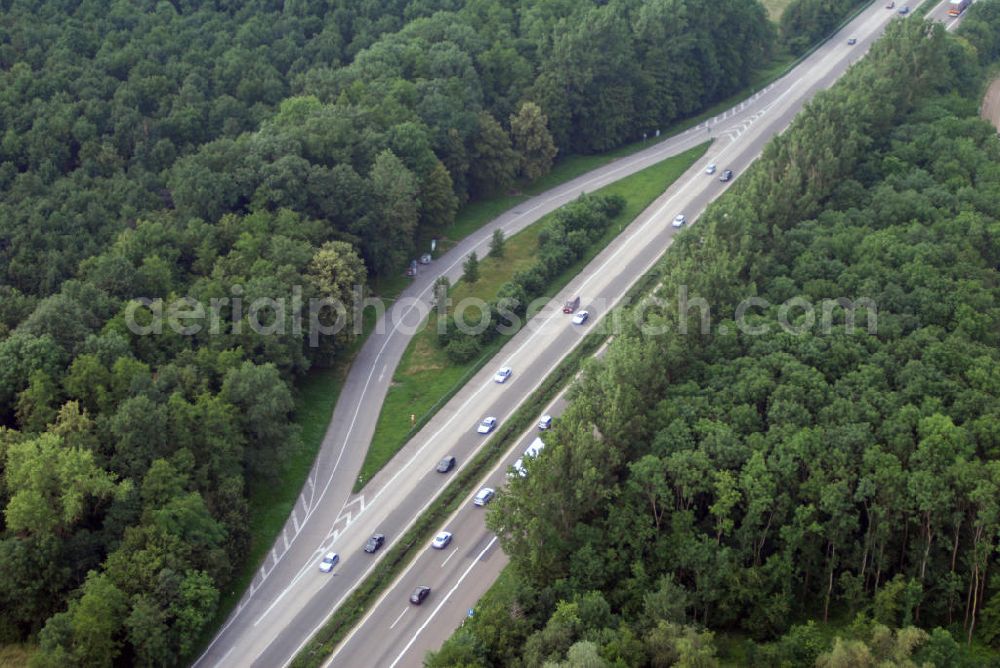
column 956, row 7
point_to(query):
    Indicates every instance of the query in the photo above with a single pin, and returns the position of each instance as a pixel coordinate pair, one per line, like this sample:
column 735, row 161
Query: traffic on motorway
column 274, row 626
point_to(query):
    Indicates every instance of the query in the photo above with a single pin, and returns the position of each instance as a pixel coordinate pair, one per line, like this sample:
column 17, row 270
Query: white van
column 518, row 467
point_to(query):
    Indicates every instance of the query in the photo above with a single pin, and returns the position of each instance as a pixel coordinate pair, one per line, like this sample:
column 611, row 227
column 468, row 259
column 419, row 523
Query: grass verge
column 16, row 655
column 403, row 551
column 775, row 8
column 426, row 379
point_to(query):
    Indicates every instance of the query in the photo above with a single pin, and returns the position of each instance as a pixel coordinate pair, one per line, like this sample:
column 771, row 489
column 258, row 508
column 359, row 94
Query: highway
column 326, row 506
column 395, row 633
column 289, row 599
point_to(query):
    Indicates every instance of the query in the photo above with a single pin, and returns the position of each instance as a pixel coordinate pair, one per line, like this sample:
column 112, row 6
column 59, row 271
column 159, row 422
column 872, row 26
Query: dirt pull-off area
column 991, row 104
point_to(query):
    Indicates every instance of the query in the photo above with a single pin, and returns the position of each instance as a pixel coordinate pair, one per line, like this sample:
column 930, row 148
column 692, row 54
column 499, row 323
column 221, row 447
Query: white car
column 545, row 422
column 484, row 496
column 679, row 220
column 710, row 169
column 502, row 375
column 441, row 540
column 329, row 561
column 581, row 317
column 486, row 426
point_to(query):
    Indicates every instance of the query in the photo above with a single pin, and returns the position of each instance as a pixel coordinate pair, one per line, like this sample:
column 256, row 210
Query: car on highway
column 904, row 10
column 483, row 496
column 502, row 375
column 581, row 317
column 545, row 422
column 486, row 426
column 446, row 464
column 679, row 220
column 375, row 542
column 329, row 561
column 518, row 469
column 441, row 540
column 419, row 594
column 710, row 169
column 571, row 304
column 852, row 41
column 891, row 5
column 727, row 175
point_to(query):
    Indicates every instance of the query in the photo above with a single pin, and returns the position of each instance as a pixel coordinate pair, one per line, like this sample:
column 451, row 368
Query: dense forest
column 114, row 110
column 226, row 150
column 743, row 478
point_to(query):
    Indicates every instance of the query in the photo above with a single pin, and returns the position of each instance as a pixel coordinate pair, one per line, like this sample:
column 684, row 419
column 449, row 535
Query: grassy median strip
column 426, row 379
column 403, row 551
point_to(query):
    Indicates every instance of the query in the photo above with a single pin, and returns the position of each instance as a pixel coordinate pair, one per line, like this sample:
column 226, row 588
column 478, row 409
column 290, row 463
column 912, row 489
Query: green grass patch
column 15, row 656
column 775, row 8
column 425, row 378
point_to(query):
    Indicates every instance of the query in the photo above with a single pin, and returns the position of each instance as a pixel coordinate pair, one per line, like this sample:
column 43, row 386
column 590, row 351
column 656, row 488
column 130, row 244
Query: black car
column 419, row 594
column 375, row 542
column 726, row 175
column 446, row 464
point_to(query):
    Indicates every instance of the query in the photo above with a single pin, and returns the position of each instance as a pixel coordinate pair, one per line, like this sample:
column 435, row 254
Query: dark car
column 419, row 594
column 571, row 304
column 375, row 542
column 726, row 175
column 904, row 10
column 446, row 464
column 852, row 41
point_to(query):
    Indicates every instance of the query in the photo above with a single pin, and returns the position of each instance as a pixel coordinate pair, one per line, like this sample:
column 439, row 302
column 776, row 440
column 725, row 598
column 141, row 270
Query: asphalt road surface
column 289, row 598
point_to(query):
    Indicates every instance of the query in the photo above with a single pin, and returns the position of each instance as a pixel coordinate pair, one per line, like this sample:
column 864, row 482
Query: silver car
column 484, row 496
column 329, row 561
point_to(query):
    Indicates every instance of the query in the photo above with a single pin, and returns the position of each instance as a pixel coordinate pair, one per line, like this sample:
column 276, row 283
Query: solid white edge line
column 443, row 601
